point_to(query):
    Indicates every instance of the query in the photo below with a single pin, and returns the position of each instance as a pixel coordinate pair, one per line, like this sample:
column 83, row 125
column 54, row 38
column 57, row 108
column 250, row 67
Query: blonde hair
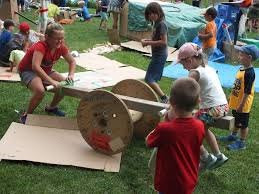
column 51, row 28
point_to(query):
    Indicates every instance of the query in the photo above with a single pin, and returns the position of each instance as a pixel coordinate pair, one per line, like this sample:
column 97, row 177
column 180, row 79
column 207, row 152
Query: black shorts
column 241, row 119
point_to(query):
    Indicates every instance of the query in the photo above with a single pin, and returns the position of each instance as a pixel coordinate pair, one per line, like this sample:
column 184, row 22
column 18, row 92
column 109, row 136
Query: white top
column 211, row 93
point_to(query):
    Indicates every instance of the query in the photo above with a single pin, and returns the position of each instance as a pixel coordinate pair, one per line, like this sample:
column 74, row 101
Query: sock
column 163, row 97
column 219, row 155
column 205, row 155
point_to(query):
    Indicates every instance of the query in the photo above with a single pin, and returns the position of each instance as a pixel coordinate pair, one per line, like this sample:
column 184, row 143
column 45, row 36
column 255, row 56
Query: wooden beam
column 144, row 106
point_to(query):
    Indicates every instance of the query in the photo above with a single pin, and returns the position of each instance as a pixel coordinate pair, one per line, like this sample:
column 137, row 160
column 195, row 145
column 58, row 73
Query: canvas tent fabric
column 183, row 21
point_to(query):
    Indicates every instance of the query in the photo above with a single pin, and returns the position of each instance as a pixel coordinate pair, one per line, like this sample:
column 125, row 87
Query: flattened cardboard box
column 8, row 76
column 135, row 45
column 53, row 145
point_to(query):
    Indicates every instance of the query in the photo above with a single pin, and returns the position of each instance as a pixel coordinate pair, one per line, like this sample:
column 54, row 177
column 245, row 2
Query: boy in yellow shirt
column 53, row 10
column 242, row 96
column 209, row 34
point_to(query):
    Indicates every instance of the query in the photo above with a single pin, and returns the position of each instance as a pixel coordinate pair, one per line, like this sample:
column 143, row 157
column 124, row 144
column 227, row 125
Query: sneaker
column 228, row 138
column 207, row 163
column 164, row 99
column 23, row 118
column 220, row 160
column 237, row 145
column 55, row 111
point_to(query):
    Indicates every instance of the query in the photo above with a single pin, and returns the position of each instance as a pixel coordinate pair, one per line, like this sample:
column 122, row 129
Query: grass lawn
column 239, row 175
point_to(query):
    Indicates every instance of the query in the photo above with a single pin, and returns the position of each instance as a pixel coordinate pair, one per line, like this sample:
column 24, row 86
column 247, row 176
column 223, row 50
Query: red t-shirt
column 178, row 155
column 246, row 3
column 48, row 60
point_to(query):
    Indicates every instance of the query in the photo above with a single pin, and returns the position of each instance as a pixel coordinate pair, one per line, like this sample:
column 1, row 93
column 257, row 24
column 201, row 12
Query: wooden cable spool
column 139, row 89
column 105, row 122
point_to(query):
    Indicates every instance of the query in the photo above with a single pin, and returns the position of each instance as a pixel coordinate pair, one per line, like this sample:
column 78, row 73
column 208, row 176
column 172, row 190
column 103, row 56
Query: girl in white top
column 213, row 102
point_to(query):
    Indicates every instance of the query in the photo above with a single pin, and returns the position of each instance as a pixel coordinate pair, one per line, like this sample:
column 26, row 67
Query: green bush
column 73, row 3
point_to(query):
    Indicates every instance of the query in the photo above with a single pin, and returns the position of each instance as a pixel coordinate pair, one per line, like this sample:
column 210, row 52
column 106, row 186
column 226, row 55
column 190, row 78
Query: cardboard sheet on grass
column 106, row 77
column 8, row 76
column 95, row 62
column 38, row 141
column 137, row 46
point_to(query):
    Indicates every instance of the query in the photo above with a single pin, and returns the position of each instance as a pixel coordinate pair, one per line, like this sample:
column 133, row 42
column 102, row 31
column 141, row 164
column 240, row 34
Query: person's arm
column 161, row 42
column 206, row 33
column 153, row 139
column 248, row 82
column 36, row 67
column 205, row 36
column 194, row 74
column 72, row 65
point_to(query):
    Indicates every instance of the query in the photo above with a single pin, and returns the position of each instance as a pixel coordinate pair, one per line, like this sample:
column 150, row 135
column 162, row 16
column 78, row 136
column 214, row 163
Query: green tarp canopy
column 183, row 21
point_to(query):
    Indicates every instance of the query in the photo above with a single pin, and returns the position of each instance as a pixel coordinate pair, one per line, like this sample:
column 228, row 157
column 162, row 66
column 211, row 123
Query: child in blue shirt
column 103, row 13
column 84, row 12
column 6, row 35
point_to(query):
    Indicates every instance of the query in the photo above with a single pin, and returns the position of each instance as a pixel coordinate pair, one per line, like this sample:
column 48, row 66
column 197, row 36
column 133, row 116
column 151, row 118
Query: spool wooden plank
column 139, row 89
column 104, row 122
column 145, row 106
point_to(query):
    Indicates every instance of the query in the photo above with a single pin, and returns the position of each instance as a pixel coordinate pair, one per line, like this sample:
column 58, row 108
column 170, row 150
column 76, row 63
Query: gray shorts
column 28, row 76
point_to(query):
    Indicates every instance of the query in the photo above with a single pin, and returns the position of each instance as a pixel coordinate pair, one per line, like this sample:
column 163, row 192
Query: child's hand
column 70, row 78
column 55, row 84
column 144, row 42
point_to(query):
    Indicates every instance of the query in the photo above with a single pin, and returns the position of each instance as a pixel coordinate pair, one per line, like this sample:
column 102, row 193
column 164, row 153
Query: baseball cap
column 250, row 50
column 24, row 27
column 188, row 50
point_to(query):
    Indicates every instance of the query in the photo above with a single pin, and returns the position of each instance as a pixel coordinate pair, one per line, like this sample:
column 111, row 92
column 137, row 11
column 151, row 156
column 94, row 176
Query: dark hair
column 155, row 8
column 8, row 23
column 212, row 12
column 185, row 93
column 56, row 2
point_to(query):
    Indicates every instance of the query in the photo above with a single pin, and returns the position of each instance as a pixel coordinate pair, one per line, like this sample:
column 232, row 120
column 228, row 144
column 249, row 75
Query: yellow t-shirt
column 53, row 10
column 211, row 42
column 16, row 56
column 244, row 83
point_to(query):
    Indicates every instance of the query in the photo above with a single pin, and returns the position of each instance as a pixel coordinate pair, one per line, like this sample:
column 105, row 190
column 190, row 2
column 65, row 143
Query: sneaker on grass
column 164, row 99
column 55, row 111
column 220, row 160
column 23, row 118
column 237, row 145
column 207, row 163
column 228, row 138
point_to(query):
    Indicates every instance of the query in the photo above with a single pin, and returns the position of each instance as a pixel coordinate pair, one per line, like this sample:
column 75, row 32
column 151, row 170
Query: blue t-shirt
column 5, row 37
column 85, row 13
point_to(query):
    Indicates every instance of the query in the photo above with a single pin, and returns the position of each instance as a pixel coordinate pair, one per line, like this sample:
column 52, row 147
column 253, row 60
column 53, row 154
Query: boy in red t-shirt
column 178, row 141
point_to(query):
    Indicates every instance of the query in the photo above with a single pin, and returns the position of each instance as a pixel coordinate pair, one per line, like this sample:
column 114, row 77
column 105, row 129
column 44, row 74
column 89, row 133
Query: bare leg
column 57, row 96
column 156, row 88
column 211, row 140
column 37, row 88
column 244, row 133
column 100, row 27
